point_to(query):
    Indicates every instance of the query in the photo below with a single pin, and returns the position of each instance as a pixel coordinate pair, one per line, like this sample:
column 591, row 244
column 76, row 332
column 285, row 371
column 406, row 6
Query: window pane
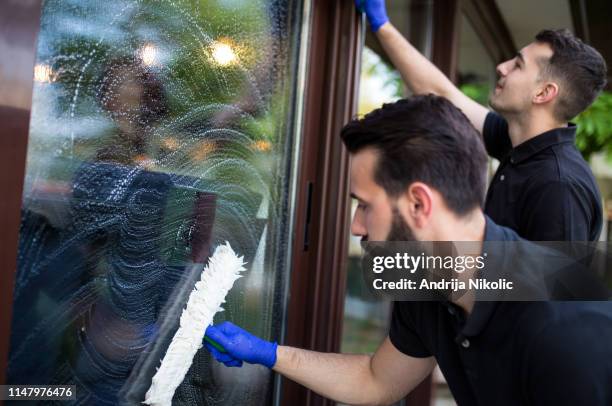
column 159, row 130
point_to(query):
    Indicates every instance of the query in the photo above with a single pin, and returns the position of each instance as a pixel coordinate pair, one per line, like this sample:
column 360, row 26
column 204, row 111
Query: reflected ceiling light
column 148, row 54
column 223, row 54
column 171, row 143
column 203, row 150
column 144, row 161
column 43, row 73
column 262, row 145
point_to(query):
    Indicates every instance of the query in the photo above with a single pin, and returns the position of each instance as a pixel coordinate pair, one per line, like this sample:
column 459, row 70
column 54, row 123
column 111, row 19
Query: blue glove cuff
column 378, row 21
column 270, row 358
column 376, row 12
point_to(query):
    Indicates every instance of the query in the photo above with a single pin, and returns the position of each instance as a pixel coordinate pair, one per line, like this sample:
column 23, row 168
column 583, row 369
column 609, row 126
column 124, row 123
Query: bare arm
column 383, row 378
column 422, row 77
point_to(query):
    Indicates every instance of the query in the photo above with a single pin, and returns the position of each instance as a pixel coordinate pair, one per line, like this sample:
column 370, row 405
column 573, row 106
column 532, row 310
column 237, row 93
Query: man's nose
column 357, row 227
column 502, row 69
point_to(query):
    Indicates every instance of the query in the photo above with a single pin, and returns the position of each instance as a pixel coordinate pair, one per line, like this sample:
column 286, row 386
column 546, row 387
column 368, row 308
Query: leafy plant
column 594, row 132
column 476, row 91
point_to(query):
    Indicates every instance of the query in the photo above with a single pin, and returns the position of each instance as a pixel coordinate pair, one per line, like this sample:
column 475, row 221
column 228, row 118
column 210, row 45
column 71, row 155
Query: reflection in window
column 159, row 129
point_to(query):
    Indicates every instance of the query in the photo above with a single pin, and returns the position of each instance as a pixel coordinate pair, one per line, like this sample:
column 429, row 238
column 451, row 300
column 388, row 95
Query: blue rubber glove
column 240, row 345
column 375, row 10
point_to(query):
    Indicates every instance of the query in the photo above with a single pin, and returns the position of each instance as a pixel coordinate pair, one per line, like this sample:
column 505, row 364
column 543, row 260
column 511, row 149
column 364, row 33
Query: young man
column 418, row 171
column 543, row 188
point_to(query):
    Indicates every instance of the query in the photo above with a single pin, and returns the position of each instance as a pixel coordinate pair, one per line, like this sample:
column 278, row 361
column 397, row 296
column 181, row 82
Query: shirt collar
column 495, row 232
column 545, row 140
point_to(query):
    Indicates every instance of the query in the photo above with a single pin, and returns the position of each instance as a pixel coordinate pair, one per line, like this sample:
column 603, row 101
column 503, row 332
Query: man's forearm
column 346, row 378
column 420, row 75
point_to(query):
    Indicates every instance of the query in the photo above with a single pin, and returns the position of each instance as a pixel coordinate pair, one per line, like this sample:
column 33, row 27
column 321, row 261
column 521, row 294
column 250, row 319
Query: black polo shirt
column 543, row 188
column 513, row 353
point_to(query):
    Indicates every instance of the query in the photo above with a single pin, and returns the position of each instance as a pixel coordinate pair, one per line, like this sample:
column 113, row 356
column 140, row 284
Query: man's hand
column 375, row 10
column 240, row 346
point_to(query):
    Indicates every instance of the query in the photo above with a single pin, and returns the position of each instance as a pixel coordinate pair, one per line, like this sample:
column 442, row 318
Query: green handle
column 214, row 344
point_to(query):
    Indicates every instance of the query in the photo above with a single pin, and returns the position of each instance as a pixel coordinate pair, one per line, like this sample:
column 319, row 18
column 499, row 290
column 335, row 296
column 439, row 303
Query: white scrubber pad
column 218, row 277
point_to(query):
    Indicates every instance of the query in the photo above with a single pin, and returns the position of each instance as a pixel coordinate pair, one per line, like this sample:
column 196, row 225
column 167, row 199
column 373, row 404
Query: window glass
column 159, row 130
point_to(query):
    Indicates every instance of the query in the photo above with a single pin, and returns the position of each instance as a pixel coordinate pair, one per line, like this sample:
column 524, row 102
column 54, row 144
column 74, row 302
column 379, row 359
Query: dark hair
column 580, row 68
column 424, row 138
column 153, row 101
column 152, row 107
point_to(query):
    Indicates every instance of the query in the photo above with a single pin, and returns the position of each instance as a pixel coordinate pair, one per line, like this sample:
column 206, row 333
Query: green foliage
column 594, row 132
column 478, row 92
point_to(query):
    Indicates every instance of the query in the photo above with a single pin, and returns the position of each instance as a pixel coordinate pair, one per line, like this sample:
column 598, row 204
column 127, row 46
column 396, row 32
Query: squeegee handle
column 214, row 344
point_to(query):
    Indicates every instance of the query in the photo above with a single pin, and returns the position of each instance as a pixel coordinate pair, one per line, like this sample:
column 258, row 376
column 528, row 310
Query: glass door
column 159, row 129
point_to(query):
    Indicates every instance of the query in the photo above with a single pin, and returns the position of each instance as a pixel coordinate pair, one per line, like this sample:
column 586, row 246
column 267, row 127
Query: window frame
column 20, row 22
column 319, row 250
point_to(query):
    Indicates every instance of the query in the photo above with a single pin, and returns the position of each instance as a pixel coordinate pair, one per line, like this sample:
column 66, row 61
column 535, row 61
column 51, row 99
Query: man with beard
column 418, row 171
column 543, row 188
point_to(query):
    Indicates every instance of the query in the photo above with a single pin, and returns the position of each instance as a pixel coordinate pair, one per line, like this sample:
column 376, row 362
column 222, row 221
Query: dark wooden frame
column 445, row 44
column 19, row 25
column 318, row 275
column 580, row 20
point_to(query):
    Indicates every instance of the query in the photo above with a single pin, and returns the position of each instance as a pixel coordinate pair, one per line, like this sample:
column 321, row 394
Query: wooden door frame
column 19, row 26
column 320, row 247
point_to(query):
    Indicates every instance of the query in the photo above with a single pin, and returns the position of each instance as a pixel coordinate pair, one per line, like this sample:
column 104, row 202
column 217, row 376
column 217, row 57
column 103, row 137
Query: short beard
column 400, row 231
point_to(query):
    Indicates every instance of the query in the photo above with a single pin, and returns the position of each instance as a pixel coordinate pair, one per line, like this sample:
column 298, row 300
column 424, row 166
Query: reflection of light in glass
column 203, row 150
column 223, row 53
column 171, row 143
column 148, row 54
column 42, row 73
column 262, row 145
column 144, row 161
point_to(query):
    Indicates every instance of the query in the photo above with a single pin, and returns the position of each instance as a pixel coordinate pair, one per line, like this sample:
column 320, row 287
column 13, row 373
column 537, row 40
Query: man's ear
column 416, row 204
column 546, row 93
